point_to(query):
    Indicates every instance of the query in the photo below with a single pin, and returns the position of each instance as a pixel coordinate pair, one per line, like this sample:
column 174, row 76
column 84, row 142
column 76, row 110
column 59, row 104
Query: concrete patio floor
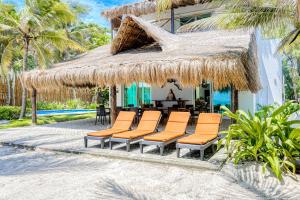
column 68, row 137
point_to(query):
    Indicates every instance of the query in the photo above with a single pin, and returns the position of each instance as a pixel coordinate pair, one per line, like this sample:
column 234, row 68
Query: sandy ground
column 44, row 175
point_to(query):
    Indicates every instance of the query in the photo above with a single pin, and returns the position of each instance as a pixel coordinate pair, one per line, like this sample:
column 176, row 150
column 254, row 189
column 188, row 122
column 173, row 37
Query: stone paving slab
column 68, row 137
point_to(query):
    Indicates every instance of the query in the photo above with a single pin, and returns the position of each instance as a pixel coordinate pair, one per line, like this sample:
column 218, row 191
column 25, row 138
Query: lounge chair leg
column 202, row 154
column 178, row 152
column 162, row 150
column 212, row 148
column 141, row 148
column 102, row 144
column 127, row 146
column 85, row 142
column 110, row 145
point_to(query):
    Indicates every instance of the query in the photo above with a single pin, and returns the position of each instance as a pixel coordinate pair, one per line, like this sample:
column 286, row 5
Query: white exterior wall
column 159, row 93
column 246, row 101
column 120, row 95
column 270, row 73
column 270, row 70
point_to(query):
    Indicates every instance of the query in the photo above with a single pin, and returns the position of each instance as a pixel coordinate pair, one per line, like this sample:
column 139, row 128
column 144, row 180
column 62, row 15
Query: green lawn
column 46, row 120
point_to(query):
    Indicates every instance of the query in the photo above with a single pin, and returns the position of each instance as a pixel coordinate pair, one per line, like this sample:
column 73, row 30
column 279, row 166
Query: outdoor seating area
column 103, row 113
column 146, row 133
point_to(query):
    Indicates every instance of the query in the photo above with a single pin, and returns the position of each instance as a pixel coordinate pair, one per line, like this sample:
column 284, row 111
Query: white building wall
column 270, row 73
column 246, row 101
column 159, row 93
column 120, row 95
column 270, row 70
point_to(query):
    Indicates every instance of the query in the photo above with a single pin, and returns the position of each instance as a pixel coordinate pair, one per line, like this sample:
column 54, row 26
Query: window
column 222, row 98
column 144, row 95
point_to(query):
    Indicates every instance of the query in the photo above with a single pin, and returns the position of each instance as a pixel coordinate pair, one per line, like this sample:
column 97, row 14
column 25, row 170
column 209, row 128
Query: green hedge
column 9, row 112
column 70, row 104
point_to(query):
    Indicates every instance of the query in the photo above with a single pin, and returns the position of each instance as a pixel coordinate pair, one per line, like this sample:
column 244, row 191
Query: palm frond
column 60, row 41
column 42, row 59
column 7, row 56
column 247, row 14
column 163, row 5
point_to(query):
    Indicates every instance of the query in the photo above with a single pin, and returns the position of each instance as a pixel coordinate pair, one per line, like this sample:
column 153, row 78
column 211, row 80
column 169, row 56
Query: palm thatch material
column 145, row 7
column 144, row 52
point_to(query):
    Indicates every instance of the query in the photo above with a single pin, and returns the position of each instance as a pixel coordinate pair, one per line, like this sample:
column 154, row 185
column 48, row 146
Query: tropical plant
column 268, row 137
column 9, row 112
column 34, row 30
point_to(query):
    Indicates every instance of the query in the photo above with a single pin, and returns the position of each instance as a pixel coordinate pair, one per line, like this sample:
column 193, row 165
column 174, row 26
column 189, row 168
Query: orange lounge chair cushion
column 209, row 118
column 122, row 124
column 105, row 133
column 124, row 120
column 163, row 136
column 149, row 121
column 146, row 126
column 177, row 122
column 132, row 134
column 197, row 139
column 207, row 129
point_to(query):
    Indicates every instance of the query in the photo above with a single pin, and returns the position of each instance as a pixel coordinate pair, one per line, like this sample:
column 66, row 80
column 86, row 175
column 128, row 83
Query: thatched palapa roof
column 144, row 52
column 145, row 7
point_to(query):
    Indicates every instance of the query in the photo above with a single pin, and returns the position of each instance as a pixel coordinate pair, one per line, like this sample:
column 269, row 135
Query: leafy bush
column 49, row 106
column 70, row 104
column 268, row 137
column 9, row 112
column 75, row 104
column 91, row 106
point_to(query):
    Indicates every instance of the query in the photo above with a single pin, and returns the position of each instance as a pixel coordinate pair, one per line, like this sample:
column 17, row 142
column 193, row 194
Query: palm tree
column 277, row 18
column 34, row 30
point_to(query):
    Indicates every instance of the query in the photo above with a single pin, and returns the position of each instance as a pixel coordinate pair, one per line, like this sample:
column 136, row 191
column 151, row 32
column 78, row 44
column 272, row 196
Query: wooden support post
column 234, row 99
column 172, row 21
column 112, row 30
column 33, row 106
column 113, row 103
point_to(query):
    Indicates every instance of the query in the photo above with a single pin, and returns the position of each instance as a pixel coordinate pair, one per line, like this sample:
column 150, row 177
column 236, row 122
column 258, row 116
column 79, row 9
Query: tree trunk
column 8, row 95
column 33, row 106
column 24, row 91
column 13, row 89
column 113, row 103
column 298, row 11
column 74, row 93
column 294, row 76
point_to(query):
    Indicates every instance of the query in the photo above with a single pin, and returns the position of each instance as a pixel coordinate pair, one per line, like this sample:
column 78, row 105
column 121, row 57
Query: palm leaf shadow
column 110, row 189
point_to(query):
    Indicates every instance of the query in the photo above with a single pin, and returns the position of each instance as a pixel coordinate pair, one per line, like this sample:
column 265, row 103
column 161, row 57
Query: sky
column 95, row 8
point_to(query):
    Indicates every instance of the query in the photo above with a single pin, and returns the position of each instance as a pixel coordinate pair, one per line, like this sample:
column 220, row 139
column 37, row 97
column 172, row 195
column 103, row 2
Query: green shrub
column 70, row 104
column 75, row 104
column 49, row 106
column 91, row 106
column 9, row 112
column 268, row 137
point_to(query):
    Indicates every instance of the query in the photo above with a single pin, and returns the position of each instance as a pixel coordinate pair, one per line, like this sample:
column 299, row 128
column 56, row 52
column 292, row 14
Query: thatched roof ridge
column 226, row 58
column 135, row 32
column 144, row 7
